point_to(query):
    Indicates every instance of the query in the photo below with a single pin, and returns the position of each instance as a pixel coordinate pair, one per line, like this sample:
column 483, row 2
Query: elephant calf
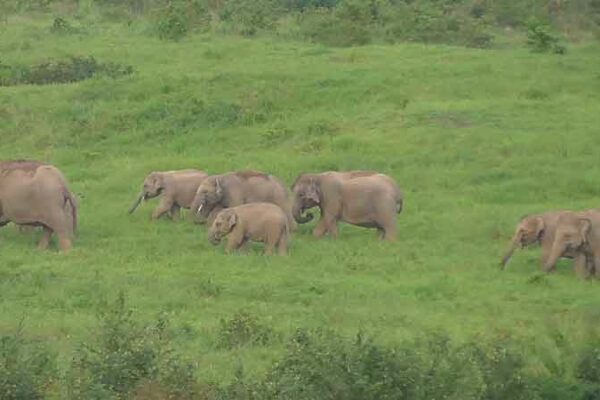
column 362, row 198
column 578, row 233
column 37, row 194
column 176, row 188
column 259, row 222
column 533, row 230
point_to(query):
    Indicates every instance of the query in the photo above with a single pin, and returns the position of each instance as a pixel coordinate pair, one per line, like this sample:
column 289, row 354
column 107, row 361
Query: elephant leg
column 269, row 248
column 545, row 255
column 175, row 212
column 390, row 233
column 163, row 207
column 282, row 246
column 327, row 224
column 582, row 266
column 45, row 240
column 234, row 241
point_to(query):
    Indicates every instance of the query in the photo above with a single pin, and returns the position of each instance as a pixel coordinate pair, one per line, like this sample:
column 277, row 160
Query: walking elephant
column 37, row 194
column 363, row 198
column 175, row 188
column 258, row 222
column 578, row 233
column 536, row 229
column 236, row 188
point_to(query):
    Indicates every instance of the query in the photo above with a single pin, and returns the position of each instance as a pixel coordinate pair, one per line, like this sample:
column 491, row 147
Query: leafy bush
column 26, row 368
column 247, row 17
column 243, row 329
column 125, row 356
column 541, row 40
column 74, row 70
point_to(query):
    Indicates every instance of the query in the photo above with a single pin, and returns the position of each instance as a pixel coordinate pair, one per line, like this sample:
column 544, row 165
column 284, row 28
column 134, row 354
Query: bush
column 63, row 71
column 125, row 357
column 26, row 368
column 248, row 17
column 541, row 40
column 243, row 329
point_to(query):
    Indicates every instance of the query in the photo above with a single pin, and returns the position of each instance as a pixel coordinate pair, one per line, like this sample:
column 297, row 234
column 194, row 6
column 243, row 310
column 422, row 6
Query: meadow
column 475, row 138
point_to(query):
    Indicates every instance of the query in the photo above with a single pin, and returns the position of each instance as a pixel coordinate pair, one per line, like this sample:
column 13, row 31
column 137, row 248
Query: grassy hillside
column 476, row 139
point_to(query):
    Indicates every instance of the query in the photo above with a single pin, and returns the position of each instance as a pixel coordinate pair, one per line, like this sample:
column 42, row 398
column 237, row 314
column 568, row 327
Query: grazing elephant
column 533, row 230
column 259, row 222
column 176, row 188
column 579, row 234
column 362, row 198
column 236, row 188
column 37, row 194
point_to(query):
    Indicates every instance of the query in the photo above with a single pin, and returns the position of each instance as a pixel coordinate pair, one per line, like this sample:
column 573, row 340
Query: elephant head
column 307, row 194
column 572, row 236
column 222, row 225
column 208, row 195
column 528, row 232
column 154, row 185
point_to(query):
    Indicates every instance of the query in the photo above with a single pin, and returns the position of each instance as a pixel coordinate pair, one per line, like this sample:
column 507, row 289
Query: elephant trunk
column 214, row 238
column 297, row 212
column 137, row 202
column 514, row 245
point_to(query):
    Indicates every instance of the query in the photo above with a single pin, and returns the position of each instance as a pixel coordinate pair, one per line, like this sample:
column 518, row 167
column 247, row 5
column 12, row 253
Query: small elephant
column 259, row 222
column 578, row 233
column 363, row 198
column 232, row 189
column 36, row 194
column 533, row 230
column 176, row 188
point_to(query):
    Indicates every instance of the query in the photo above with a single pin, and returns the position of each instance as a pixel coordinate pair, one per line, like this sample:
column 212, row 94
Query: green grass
column 475, row 138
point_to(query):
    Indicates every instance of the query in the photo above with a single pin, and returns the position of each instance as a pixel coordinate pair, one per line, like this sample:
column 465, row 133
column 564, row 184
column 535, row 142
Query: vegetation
column 475, row 137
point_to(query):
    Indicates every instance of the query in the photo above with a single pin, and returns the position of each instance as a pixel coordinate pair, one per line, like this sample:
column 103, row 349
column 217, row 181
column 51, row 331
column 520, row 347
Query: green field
column 475, row 138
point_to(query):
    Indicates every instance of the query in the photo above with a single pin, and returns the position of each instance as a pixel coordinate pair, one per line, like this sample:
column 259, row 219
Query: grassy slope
column 475, row 138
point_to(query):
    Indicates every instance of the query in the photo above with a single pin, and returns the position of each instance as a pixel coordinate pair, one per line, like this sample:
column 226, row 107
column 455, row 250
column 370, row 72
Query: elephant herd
column 254, row 206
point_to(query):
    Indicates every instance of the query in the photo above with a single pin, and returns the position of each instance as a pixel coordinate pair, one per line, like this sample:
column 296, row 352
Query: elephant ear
column 232, row 219
column 158, row 179
column 585, row 228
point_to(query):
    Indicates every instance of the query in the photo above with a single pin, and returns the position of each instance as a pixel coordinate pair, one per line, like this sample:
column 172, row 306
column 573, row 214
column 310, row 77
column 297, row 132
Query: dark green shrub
column 172, row 21
column 125, row 356
column 63, row 71
column 26, row 368
column 248, row 17
column 243, row 329
column 541, row 40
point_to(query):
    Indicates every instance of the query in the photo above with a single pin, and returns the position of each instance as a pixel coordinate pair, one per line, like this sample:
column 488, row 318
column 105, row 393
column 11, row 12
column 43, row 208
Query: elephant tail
column 399, row 205
column 68, row 197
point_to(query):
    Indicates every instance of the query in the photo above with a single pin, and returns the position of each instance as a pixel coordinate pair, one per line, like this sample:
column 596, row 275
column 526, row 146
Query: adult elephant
column 176, row 189
column 535, row 229
column 241, row 187
column 579, row 234
column 364, row 198
column 33, row 193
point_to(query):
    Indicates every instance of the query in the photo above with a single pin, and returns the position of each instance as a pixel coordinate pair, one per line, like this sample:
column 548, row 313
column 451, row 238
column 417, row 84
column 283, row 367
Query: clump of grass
column 243, row 329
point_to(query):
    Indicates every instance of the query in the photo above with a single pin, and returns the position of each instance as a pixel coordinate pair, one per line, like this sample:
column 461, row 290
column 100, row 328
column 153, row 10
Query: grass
column 475, row 138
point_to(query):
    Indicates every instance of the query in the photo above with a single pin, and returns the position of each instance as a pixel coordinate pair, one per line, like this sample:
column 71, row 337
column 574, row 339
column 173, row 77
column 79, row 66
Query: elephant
column 363, row 198
column 33, row 193
column 176, row 189
column 579, row 234
column 232, row 189
column 533, row 230
column 259, row 222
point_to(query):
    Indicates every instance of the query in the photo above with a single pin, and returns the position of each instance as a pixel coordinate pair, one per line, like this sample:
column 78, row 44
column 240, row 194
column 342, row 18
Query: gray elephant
column 536, row 229
column 259, row 222
column 236, row 188
column 33, row 193
column 362, row 198
column 176, row 189
column 578, row 233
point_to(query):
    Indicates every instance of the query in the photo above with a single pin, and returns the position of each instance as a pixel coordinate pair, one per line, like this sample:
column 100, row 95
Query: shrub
column 63, row 71
column 126, row 356
column 243, row 329
column 26, row 368
column 541, row 40
column 248, row 17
